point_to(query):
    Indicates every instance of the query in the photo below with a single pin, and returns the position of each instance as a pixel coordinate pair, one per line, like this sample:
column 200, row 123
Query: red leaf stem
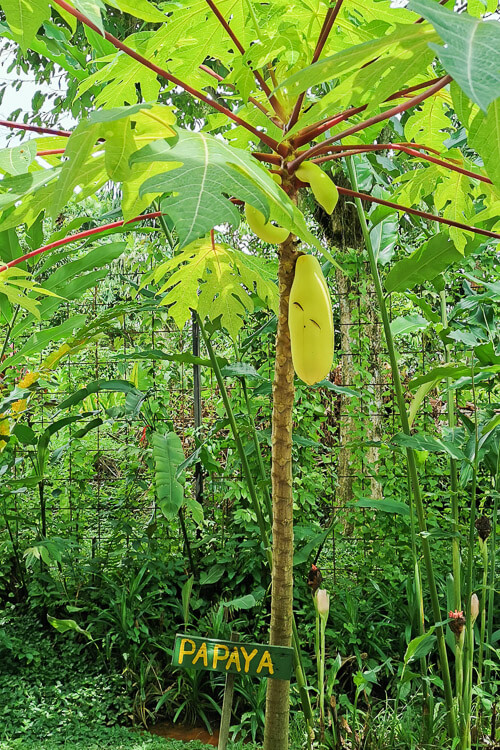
column 269, row 158
column 78, row 236
column 316, row 129
column 330, row 18
column 407, row 150
column 51, row 151
column 310, row 134
column 320, row 147
column 422, row 214
column 219, row 78
column 376, row 146
column 34, row 128
column 258, row 76
column 173, row 79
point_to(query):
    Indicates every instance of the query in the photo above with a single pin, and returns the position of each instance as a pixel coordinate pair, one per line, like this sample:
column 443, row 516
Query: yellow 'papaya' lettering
column 234, row 659
column 183, row 650
column 202, row 654
column 217, row 648
column 248, row 657
column 266, row 661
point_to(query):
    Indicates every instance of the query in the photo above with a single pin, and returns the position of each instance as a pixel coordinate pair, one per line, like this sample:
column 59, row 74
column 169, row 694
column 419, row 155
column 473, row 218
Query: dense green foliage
column 112, row 417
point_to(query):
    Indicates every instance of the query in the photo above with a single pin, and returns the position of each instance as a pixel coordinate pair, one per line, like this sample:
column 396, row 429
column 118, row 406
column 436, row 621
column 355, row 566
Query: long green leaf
column 421, row 442
column 386, row 506
column 433, row 257
column 168, row 455
column 97, row 386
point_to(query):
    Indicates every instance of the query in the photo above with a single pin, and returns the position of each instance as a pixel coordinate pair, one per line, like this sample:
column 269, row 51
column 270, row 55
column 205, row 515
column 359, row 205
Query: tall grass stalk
column 492, row 573
column 410, row 458
column 465, row 733
column 484, row 594
column 322, row 606
column 455, row 542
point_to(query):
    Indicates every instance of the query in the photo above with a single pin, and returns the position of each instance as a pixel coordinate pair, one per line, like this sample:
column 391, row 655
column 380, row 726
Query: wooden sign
column 252, row 659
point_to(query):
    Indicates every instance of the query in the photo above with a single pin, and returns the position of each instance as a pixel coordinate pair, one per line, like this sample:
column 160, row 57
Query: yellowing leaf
column 428, row 125
column 215, row 280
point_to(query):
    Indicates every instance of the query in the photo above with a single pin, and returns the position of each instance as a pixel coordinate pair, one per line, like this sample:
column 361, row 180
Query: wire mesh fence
column 99, row 488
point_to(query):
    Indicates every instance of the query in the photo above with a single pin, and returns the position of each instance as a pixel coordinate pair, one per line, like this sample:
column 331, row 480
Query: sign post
column 232, row 658
column 227, row 706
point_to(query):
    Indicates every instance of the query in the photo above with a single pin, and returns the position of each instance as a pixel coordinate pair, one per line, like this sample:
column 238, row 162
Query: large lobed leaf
column 204, row 173
column 471, row 54
column 216, row 281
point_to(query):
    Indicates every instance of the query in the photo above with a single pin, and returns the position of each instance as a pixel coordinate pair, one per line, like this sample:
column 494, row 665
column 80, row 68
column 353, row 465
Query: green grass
column 127, row 741
column 115, row 738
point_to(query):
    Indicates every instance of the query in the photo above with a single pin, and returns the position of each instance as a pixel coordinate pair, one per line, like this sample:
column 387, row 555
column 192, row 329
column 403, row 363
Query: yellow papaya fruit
column 265, row 231
column 310, row 321
column 324, row 190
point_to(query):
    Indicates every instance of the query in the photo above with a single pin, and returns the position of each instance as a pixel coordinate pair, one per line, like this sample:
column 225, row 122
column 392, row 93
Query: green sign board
column 237, row 658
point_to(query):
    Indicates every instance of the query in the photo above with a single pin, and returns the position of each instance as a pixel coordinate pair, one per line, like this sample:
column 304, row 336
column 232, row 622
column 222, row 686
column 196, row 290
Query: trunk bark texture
column 378, row 373
column 343, row 232
column 346, row 426
column 277, row 701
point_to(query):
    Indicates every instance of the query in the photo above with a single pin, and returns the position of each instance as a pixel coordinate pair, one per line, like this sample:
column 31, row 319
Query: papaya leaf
column 484, row 137
column 112, row 128
column 15, row 284
column 168, row 455
column 429, row 124
column 399, row 58
column 471, row 54
column 203, row 173
column 17, row 160
column 215, row 280
column 20, row 186
column 393, row 47
column 25, row 18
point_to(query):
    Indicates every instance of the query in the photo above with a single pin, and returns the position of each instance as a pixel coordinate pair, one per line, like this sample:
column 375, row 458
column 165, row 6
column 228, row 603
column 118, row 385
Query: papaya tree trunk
column 277, row 702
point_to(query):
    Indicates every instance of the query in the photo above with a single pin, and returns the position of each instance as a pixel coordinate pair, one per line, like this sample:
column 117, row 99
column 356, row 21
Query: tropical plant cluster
column 249, row 369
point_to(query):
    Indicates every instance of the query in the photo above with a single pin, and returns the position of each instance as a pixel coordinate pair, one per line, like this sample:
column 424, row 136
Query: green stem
column 453, row 473
column 492, row 578
column 299, row 670
column 484, row 590
column 469, row 627
column 410, row 457
column 321, row 678
column 255, row 439
column 459, row 676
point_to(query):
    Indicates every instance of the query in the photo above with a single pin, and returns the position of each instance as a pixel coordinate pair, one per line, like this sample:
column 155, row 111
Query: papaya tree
column 282, row 91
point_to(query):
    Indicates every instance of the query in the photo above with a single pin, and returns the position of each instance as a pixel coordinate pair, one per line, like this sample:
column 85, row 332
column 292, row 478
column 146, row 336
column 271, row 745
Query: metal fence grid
column 192, row 400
